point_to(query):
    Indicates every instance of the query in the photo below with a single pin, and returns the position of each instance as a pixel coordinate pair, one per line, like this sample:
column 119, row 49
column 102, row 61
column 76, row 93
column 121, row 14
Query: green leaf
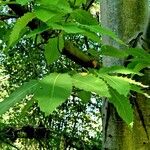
column 90, row 83
column 53, row 90
column 44, row 13
column 18, row 95
column 139, row 90
column 122, row 105
column 92, row 36
column 113, row 52
column 121, row 84
column 64, row 5
column 137, row 66
column 144, row 61
column 140, row 58
column 51, row 50
column 118, row 83
column 47, row 2
column 48, row 10
column 37, row 31
column 79, row 2
column 74, row 28
column 119, row 69
column 22, row 2
column 19, row 26
column 84, row 96
column 84, row 17
column 97, row 29
column 131, row 81
column 59, row 5
column 54, row 25
column 137, row 52
column 58, row 18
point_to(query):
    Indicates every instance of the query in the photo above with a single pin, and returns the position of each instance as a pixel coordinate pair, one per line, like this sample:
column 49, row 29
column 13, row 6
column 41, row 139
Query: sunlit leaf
column 60, row 5
column 53, row 90
column 118, row 69
column 44, row 14
column 91, row 83
column 51, row 9
column 118, row 83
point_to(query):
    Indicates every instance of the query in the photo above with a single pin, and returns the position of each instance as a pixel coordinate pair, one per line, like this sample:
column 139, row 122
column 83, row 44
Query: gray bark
column 126, row 18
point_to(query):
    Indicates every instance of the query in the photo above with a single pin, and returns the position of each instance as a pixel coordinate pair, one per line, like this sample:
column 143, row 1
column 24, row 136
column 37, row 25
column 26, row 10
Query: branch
column 79, row 56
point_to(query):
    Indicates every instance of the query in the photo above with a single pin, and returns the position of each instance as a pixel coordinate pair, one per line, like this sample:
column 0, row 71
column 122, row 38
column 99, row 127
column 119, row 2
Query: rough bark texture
column 126, row 18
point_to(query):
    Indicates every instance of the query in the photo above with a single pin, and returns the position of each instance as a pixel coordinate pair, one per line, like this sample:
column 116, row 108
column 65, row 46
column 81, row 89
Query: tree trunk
column 126, row 18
